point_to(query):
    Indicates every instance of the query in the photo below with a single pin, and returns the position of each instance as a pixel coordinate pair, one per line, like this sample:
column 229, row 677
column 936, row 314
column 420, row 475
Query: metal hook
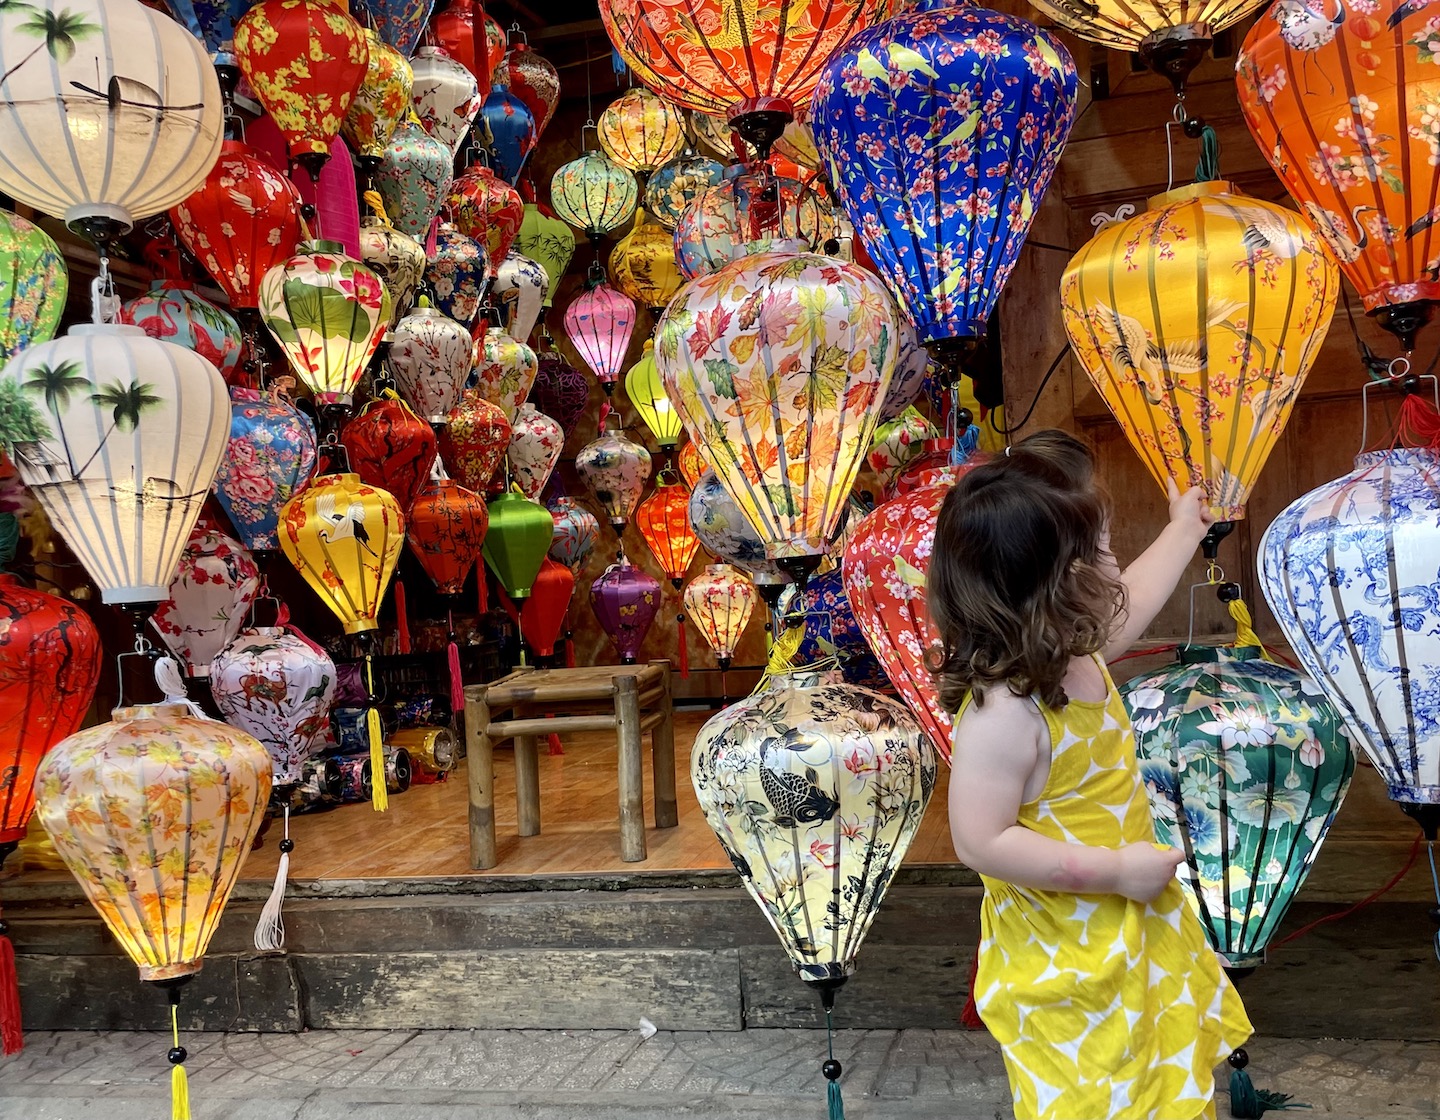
column 1398, row 374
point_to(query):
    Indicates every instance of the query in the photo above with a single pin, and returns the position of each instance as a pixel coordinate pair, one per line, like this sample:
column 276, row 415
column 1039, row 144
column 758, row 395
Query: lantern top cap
column 321, row 245
column 104, row 330
column 1199, row 655
column 1191, row 192
column 162, row 711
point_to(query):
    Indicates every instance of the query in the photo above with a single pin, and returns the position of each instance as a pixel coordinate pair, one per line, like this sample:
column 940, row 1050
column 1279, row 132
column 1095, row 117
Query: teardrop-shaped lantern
column 647, row 393
column 912, row 366
column 446, row 96
column 413, row 177
column 720, row 602
column 599, row 324
column 897, row 443
column 399, row 22
column 542, row 616
column 626, row 599
column 547, row 240
column 677, row 184
column 447, row 528
column 172, row 310
column 487, row 208
column 664, row 522
column 509, row 132
column 535, row 445
column 430, row 357
column 1246, row 764
column 640, row 130
column 461, row 28
column 593, row 194
column 614, row 469
column 160, row 791
column 33, row 284
column 328, row 312
column 516, row 543
column 394, row 256
column 642, row 265
column 474, row 440
column 746, row 213
column 576, row 531
column 209, row 599
column 344, row 537
column 269, row 458
column 390, row 448
column 724, row 531
column 1201, row 346
column 691, row 465
column 534, row 80
column 505, row 371
column 560, row 391
column 783, row 414
column 118, row 436
column 458, row 270
column 381, row 103
column 305, row 60
column 519, row 290
column 278, row 688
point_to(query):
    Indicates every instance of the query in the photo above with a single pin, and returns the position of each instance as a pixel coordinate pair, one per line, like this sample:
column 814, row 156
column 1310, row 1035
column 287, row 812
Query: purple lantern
column 560, row 391
column 599, row 324
column 270, row 459
column 626, row 600
column 576, row 531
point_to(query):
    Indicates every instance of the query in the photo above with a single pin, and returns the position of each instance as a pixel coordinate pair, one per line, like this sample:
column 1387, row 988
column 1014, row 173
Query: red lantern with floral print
column 391, row 448
column 447, row 527
column 534, row 80
column 463, row 30
column 485, row 207
column 474, row 440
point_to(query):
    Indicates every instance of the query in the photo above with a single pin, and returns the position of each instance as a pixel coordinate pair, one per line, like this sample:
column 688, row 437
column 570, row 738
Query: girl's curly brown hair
column 1015, row 588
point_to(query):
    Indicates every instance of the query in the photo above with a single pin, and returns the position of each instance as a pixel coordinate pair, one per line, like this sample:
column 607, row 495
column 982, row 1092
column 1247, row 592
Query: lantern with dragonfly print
column 270, row 457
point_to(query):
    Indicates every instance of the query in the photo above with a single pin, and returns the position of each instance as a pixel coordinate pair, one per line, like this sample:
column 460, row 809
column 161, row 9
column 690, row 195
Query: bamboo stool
column 627, row 699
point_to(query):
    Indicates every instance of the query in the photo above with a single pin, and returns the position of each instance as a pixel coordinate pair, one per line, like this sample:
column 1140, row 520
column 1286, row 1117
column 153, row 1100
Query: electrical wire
column 1364, row 902
column 1049, row 373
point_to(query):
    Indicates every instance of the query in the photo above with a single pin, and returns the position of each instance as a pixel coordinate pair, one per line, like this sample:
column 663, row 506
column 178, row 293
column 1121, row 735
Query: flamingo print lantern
column 174, row 311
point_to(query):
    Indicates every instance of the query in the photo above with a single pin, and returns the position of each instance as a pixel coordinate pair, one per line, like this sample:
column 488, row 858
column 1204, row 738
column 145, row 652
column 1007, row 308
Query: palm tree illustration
column 56, row 383
column 59, row 33
column 126, row 406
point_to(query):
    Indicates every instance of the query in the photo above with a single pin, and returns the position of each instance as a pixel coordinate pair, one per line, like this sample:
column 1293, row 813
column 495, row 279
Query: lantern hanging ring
column 516, row 30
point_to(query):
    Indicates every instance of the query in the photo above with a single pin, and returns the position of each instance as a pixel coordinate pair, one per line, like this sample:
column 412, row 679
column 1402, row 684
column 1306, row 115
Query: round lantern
column 599, row 324
column 328, row 312
column 534, row 80
column 414, row 177
column 270, row 456
column 393, row 255
column 724, row 530
column 626, row 600
column 278, row 688
column 784, row 415
column 912, row 364
column 49, row 667
column 344, row 537
column 381, row 103
column 171, row 310
column 1349, row 570
column 560, row 391
column 519, row 290
column 542, row 617
column 547, row 240
column 720, row 602
column 399, row 22
column 640, row 131
column 593, row 194
column 430, row 357
column 390, row 448
column 642, row 265
column 459, row 267
column 943, row 204
column 487, row 208
column 678, row 183
column 614, row 469
column 33, row 285
column 1343, row 111
column 505, row 371
column 86, row 143
column 1246, row 764
column 576, row 531
column 664, row 522
column 509, row 131
column 535, row 445
column 241, row 222
column 517, row 541
column 118, row 436
column 897, row 443
column 831, row 630
column 447, row 526
column 474, row 440
column 1201, row 346
column 209, row 599
column 1172, row 36
column 748, row 213
column 691, row 465
column 158, row 789
column 446, row 96
column 647, row 394
column 305, row 60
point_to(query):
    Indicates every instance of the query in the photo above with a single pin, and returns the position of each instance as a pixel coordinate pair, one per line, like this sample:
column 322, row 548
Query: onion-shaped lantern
column 614, row 469
column 640, row 130
column 508, row 131
column 720, row 602
column 209, row 598
column 399, row 22
column 430, row 357
column 474, row 440
column 832, row 631
column 1201, row 342
column 390, row 448
column 664, row 522
column 594, row 195
column 33, row 283
column 784, row 415
column 647, row 393
column 748, row 213
column 626, row 600
column 381, row 103
column 269, row 458
column 726, row 533
column 677, row 184
column 576, row 531
column 516, row 543
column 447, row 528
column 535, row 445
column 414, row 177
column 912, row 365
column 447, row 98
column 642, row 265
column 458, row 269
column 547, row 240
column 542, row 616
column 534, row 80
column 897, row 443
column 487, row 208
column 599, row 324
column 1246, row 764
column 560, row 391
column 393, row 255
column 519, row 290
column 505, row 371
column 171, row 310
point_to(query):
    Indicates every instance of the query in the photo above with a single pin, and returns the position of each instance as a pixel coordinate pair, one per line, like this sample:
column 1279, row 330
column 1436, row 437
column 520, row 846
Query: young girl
column 1093, row 973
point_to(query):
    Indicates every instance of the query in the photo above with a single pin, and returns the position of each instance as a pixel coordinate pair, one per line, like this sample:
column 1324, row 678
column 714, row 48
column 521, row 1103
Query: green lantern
column 516, row 543
column 647, row 393
column 33, row 283
column 1246, row 763
column 545, row 238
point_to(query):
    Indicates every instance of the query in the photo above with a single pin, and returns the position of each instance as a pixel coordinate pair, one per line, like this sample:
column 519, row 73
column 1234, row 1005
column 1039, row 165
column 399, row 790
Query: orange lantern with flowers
column 664, row 522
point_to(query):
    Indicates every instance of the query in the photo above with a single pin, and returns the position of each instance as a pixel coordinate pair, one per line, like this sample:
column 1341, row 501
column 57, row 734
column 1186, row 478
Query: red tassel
column 402, row 618
column 11, row 1040
column 604, row 413
column 482, row 584
column 569, row 653
column 457, row 685
column 684, row 647
column 555, row 747
column 970, row 1014
column 432, row 238
column 1419, row 424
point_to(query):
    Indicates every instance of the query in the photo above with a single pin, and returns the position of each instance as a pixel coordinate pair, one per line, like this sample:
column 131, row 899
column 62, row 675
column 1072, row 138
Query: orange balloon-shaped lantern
column 447, row 532
column 664, row 521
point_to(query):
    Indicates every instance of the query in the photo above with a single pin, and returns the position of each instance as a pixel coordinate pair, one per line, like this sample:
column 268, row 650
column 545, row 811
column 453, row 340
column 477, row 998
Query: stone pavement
column 610, row 1075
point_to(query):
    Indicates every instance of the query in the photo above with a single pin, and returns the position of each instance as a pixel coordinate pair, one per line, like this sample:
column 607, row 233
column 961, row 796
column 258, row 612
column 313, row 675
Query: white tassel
column 270, row 932
column 172, row 684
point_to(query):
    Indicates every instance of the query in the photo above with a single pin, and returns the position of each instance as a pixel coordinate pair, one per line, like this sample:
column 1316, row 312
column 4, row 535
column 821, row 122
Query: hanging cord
column 179, row 1082
column 270, row 930
column 1207, row 169
column 1368, row 900
column 104, row 302
column 1011, row 429
column 831, row 1069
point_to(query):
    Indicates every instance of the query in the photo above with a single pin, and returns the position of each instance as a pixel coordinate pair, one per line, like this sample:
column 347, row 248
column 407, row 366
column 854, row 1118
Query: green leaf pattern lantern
column 33, row 282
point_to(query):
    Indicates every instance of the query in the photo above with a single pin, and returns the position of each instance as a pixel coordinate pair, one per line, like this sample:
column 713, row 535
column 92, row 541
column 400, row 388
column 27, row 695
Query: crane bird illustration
column 1305, row 27
column 1149, row 364
column 1332, row 229
column 339, row 525
column 1268, row 232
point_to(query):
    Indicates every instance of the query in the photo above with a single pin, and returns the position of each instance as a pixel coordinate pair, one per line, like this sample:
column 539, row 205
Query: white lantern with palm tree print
column 118, row 435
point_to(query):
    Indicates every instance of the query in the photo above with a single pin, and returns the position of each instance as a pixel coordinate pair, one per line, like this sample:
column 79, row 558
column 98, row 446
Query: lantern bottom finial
column 99, row 222
column 1173, row 52
column 1426, row 816
column 1404, row 320
column 760, row 121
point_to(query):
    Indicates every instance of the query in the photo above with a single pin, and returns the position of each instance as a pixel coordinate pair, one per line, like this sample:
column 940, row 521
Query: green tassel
column 1207, row 170
column 1250, row 1103
column 837, row 1102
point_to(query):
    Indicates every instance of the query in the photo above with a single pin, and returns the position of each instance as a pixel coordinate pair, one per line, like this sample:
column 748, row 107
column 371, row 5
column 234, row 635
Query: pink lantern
column 336, row 202
column 599, row 324
column 535, row 445
column 626, row 600
column 213, row 588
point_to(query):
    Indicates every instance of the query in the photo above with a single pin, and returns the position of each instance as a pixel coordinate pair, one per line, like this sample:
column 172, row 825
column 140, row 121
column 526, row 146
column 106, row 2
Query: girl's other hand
column 1189, row 509
column 1146, row 870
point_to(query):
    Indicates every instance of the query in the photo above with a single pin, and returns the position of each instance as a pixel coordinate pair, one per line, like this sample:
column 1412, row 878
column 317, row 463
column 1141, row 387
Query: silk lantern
column 508, row 131
column 1172, row 36
column 118, row 436
column 725, row 532
column 647, row 393
column 1200, row 342
column 487, row 208
column 344, row 537
column 547, row 240
column 270, row 456
column 599, row 324
column 241, row 222
column 974, row 107
column 534, row 80
column 462, row 30
column 474, row 440
column 430, row 357
column 664, row 522
column 560, row 391
column 784, row 415
column 678, row 183
column 593, row 194
column 831, row 631
column 691, row 465
column 576, row 531
column 213, row 23
column 517, row 541
column 519, row 291
column 447, row 527
column 328, row 312
column 912, row 365
column 748, row 212
column 542, row 616
column 305, row 60
column 897, row 443
column 215, row 585
column 381, row 103
column 626, row 600
column 390, row 448
column 393, row 255
column 614, row 469
column 1349, row 570
column 446, row 96
column 333, row 194
column 457, row 273
column 640, row 130
column 1344, row 111
column 172, row 310
column 99, row 148
column 1246, row 764
column 505, row 371
column 413, row 177
column 33, row 284
column 642, row 265
column 399, row 22
column 720, row 602
column 535, row 445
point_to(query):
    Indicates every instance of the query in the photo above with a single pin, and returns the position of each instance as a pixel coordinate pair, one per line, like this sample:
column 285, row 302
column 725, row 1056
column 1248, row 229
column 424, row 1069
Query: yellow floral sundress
column 1105, row 1008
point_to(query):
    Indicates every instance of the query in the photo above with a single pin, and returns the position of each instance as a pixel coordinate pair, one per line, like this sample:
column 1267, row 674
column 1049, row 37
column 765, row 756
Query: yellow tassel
column 377, row 206
column 379, row 795
column 1244, row 628
column 782, row 653
column 179, row 1081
